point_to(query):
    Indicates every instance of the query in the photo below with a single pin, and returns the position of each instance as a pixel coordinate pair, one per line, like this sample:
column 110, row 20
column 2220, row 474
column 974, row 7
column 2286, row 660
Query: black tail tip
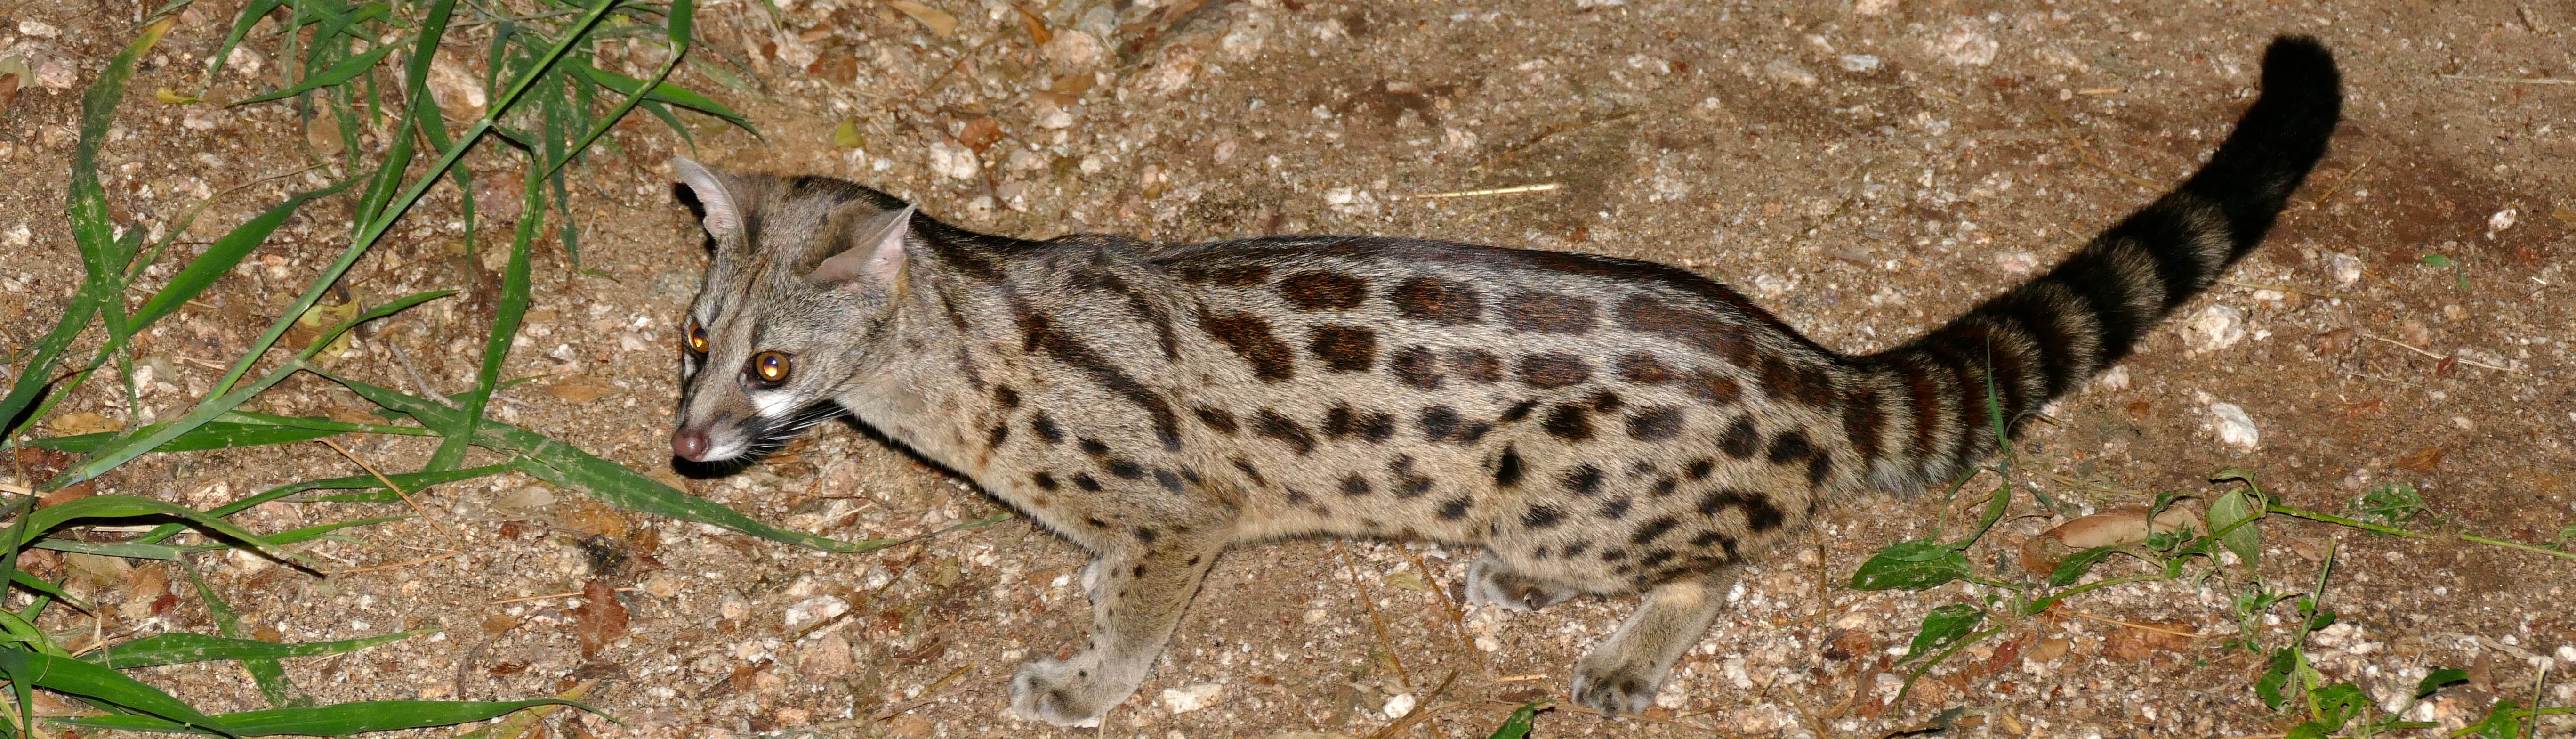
column 2299, row 65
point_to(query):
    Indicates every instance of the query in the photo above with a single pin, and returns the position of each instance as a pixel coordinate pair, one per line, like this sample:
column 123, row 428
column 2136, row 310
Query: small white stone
column 815, row 609
column 38, row 29
column 2234, row 427
column 2215, row 327
column 20, row 235
column 1873, row 7
column 1966, row 46
column 1487, row 643
column 1074, row 49
column 1857, row 62
column 1316, row 615
column 1789, row 72
column 2346, row 269
column 953, row 161
column 2503, row 219
column 1191, row 697
column 1399, row 705
column 2116, row 379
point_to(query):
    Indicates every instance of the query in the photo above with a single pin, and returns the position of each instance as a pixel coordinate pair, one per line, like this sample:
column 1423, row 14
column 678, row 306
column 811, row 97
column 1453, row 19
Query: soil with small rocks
column 1865, row 169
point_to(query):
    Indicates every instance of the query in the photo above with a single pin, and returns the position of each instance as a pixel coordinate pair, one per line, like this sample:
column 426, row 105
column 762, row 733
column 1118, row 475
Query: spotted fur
column 1599, row 425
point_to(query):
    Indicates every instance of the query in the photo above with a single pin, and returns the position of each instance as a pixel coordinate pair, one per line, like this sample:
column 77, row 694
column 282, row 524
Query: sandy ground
column 1865, row 170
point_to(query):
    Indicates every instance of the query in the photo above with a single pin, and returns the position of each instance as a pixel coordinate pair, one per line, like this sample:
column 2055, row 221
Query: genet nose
column 689, row 444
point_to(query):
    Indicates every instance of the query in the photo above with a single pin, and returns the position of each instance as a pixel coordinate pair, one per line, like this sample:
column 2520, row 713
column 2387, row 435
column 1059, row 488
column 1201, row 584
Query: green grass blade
column 265, row 672
column 242, row 23
column 336, row 720
column 388, row 179
column 32, row 582
column 79, row 678
column 127, row 506
column 212, row 435
column 409, row 481
column 122, row 549
column 668, row 93
column 112, row 455
column 1518, row 725
column 567, row 467
column 346, row 70
column 221, row 256
column 512, row 308
column 179, row 648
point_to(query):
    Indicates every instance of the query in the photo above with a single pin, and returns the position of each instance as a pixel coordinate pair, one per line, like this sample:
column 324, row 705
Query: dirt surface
column 1866, row 171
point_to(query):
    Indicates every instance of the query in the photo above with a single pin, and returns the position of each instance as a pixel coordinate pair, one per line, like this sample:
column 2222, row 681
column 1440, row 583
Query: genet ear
column 718, row 210
column 875, row 257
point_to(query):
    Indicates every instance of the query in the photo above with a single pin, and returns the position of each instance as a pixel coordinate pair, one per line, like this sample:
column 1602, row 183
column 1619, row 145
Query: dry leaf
column 1037, row 27
column 1407, row 580
column 579, row 389
column 2423, row 460
column 980, row 134
column 499, row 622
column 323, row 133
column 2137, row 645
column 599, row 621
column 938, row 21
column 2050, row 649
column 590, row 517
column 456, row 88
column 2120, row 526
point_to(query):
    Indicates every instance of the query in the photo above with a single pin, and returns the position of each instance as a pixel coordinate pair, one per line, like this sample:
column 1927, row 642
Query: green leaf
column 2075, row 565
column 667, row 93
column 2338, row 704
column 176, row 648
column 104, row 685
column 2438, row 679
column 212, row 435
column 2276, row 677
column 126, row 549
column 267, row 673
column 31, row 582
column 1941, row 628
column 2503, row 721
column 1518, row 725
column 564, row 466
column 2231, row 519
column 683, row 13
column 346, row 70
column 127, row 506
column 2308, row 730
column 250, row 16
column 1911, row 565
column 2439, row 261
column 221, row 256
column 338, row 719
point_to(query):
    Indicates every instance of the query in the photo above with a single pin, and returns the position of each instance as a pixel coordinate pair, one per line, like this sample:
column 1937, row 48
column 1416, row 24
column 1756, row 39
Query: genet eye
column 697, row 343
column 770, row 367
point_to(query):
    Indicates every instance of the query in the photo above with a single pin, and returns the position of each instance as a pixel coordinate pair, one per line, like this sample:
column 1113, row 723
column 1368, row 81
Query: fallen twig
column 2452, row 357
column 1513, row 190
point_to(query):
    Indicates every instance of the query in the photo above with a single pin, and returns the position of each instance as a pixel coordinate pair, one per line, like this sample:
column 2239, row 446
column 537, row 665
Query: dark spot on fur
column 1436, row 300
column 1614, row 554
column 1605, row 401
column 1644, row 369
column 1819, row 468
column 1085, row 481
column 1269, row 423
column 1801, row 383
column 1577, row 549
column 1094, row 522
column 1517, row 412
column 1616, row 508
column 1789, row 447
column 1861, row 422
column 1344, row 348
column 1006, row 397
column 1038, row 332
column 1655, row 557
column 1705, row 331
column 1553, row 370
column 1043, row 480
column 1740, row 439
column 1758, row 511
column 1218, row 419
column 1507, row 470
column 1438, row 422
column 1249, row 336
column 1147, row 534
column 1653, row 529
column 1320, row 290
column 1581, row 479
column 1419, row 367
column 1356, row 484
column 1169, row 481
column 1548, row 313
column 1094, row 447
column 1138, row 570
column 1567, row 421
column 1000, row 432
column 1714, row 389
column 1476, row 364
column 1377, row 426
column 1044, row 426
column 1245, row 466
column 1249, row 275
column 1455, row 508
column 1665, row 486
column 1655, row 424
column 1699, row 468
column 1339, row 421
column 1540, row 517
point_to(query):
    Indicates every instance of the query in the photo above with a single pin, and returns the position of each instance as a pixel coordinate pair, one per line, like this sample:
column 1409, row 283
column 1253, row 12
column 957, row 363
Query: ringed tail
column 1921, row 412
